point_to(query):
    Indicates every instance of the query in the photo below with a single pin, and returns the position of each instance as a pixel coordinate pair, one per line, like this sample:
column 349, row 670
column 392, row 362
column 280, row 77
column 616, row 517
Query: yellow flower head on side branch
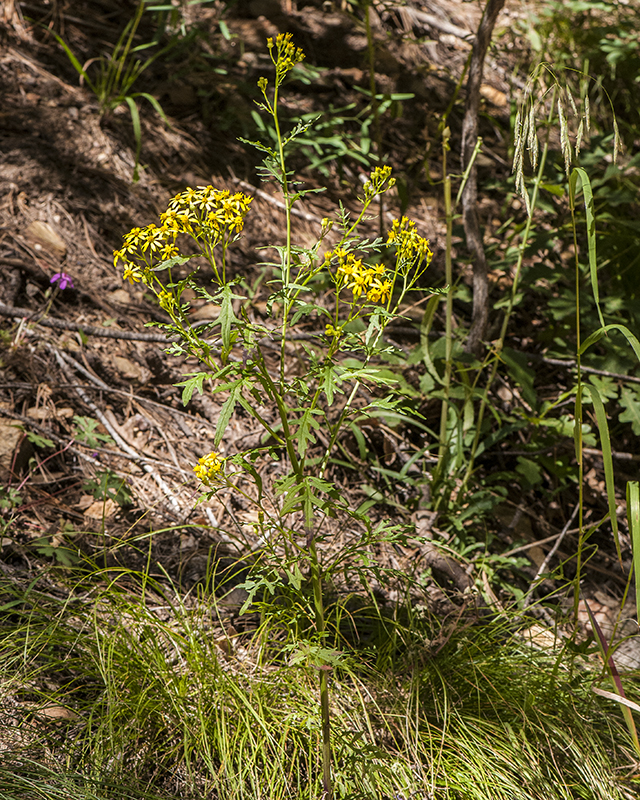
column 208, row 470
column 379, row 182
column 215, row 214
column 363, row 280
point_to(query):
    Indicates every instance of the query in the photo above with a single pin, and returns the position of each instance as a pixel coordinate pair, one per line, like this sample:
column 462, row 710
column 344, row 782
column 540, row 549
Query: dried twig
column 545, row 564
column 65, row 362
column 89, row 330
column 275, row 202
column 422, row 19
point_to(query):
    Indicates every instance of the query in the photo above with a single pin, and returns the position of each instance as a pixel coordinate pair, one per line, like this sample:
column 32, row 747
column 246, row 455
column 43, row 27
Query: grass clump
column 162, row 699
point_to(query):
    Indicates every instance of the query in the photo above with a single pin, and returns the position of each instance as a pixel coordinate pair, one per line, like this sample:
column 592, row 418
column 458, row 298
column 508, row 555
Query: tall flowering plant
column 302, row 419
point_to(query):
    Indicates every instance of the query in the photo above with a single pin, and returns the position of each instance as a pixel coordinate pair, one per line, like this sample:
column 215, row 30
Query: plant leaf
column 631, row 403
column 633, row 517
column 591, row 230
column 605, row 443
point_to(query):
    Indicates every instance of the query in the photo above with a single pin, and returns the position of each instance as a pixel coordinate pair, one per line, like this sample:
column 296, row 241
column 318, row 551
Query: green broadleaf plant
column 294, row 515
column 117, row 73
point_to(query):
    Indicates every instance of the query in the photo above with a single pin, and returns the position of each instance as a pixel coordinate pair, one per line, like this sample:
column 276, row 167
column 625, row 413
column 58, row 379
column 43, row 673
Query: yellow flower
column 408, row 242
column 286, row 55
column 132, row 274
column 379, row 291
column 209, row 468
column 333, row 332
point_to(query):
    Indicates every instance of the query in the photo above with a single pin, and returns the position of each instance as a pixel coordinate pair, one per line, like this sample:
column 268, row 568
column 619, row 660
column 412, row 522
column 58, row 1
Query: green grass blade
column 155, row 104
column 135, row 119
column 633, row 517
column 597, row 335
column 591, row 232
column 72, row 58
column 607, row 460
column 615, row 676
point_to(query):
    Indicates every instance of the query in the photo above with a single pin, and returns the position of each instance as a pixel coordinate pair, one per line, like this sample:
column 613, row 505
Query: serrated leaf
column 295, row 576
column 529, row 470
column 330, row 377
column 226, row 316
column 553, row 188
column 172, row 262
column 226, row 411
column 191, row 384
column 607, row 388
column 259, row 146
column 630, row 401
column 303, row 435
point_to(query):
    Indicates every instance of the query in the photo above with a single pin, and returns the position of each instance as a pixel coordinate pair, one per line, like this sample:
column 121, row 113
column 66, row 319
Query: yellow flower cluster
column 199, row 211
column 203, row 213
column 379, row 181
column 410, row 245
column 286, row 55
column 209, row 468
column 145, row 244
column 352, row 274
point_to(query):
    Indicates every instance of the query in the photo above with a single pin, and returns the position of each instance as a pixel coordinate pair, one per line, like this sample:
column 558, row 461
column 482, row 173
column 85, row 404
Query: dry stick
column 89, row 330
column 543, row 567
column 470, row 193
column 422, row 19
column 539, row 542
column 572, row 364
column 65, row 361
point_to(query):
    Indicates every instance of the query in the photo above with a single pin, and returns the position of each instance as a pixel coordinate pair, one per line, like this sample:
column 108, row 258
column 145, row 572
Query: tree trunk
column 470, row 216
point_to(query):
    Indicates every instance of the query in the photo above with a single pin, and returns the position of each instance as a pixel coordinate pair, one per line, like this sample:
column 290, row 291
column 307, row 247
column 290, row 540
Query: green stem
column 449, row 210
column 514, row 289
column 578, row 415
column 336, row 428
column 316, row 582
column 448, row 266
column 286, row 267
column 284, row 417
column 374, row 98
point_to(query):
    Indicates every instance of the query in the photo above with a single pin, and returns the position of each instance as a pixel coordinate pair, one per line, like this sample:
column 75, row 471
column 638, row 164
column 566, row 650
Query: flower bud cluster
column 379, row 182
column 286, row 55
column 410, row 246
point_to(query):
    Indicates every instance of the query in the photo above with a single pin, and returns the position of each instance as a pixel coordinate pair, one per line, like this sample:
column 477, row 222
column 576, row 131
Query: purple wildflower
column 63, row 280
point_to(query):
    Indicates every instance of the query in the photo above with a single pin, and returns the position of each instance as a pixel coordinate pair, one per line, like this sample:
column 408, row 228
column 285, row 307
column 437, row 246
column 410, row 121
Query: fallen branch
column 89, row 330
